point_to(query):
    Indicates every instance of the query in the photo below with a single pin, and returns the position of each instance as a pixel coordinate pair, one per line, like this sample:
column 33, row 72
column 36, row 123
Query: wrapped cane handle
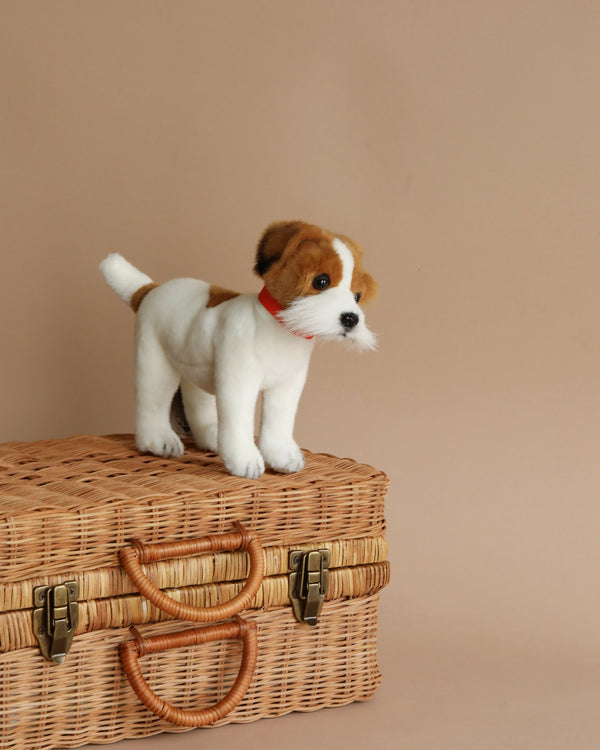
column 130, row 651
column 133, row 558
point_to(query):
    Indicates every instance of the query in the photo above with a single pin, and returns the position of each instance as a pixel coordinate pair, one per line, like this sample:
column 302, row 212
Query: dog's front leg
column 276, row 443
column 236, row 403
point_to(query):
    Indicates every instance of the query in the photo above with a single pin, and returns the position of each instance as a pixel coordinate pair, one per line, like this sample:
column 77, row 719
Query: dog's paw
column 285, row 458
column 247, row 463
column 160, row 443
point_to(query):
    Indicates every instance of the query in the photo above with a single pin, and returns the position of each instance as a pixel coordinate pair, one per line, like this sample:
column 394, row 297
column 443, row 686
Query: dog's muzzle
column 348, row 320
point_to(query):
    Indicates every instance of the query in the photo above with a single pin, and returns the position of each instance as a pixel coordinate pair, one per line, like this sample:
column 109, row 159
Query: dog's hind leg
column 156, row 381
column 201, row 413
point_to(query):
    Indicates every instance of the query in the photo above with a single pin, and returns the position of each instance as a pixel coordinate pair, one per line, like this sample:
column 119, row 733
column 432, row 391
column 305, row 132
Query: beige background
column 458, row 142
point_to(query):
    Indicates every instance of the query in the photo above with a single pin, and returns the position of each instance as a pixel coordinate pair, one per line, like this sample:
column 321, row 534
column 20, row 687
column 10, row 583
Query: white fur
column 122, row 277
column 320, row 314
column 223, row 357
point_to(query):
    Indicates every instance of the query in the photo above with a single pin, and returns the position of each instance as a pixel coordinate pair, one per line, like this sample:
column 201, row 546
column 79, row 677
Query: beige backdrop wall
column 458, row 142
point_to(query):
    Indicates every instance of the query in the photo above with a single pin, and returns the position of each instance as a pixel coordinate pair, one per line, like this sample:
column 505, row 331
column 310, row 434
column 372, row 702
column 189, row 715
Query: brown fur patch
column 273, row 243
column 138, row 296
column 362, row 281
column 310, row 259
column 217, row 294
column 291, row 253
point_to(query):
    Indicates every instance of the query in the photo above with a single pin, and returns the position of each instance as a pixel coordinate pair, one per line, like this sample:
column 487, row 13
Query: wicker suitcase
column 257, row 597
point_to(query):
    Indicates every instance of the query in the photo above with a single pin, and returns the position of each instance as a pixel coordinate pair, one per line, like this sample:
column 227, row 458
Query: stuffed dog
column 223, row 348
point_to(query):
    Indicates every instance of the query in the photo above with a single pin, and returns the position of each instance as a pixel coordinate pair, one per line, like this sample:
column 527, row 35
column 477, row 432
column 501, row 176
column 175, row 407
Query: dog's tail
column 130, row 284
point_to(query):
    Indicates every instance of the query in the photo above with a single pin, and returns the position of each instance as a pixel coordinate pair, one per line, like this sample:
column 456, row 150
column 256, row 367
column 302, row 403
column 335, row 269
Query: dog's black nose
column 348, row 320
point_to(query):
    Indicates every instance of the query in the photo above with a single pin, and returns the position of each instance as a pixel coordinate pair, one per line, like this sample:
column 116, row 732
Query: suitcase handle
column 130, row 651
column 133, row 558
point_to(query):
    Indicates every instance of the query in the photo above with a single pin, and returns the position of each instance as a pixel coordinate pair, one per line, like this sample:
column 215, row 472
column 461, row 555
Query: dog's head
column 317, row 277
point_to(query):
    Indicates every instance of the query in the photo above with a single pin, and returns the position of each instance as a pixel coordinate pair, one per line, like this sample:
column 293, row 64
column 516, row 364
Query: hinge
column 55, row 617
column 309, row 583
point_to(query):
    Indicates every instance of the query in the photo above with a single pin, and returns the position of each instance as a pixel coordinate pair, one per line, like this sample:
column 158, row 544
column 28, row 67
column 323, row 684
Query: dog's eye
column 357, row 296
column 321, row 282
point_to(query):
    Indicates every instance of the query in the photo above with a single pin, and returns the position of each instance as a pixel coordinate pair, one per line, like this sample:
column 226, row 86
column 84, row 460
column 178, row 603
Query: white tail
column 122, row 277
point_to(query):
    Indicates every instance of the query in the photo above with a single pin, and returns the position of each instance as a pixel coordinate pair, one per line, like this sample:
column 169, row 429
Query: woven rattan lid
column 73, row 504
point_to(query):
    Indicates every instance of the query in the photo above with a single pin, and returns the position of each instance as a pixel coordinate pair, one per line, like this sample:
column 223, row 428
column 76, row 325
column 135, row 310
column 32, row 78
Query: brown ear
column 362, row 281
column 279, row 239
column 369, row 288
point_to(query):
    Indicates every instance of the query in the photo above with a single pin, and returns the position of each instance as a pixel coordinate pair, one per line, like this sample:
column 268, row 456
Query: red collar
column 271, row 305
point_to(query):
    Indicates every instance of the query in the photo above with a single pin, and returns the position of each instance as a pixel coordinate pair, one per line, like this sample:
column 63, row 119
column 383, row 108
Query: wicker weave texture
column 88, row 699
column 73, row 504
column 117, row 612
column 190, row 571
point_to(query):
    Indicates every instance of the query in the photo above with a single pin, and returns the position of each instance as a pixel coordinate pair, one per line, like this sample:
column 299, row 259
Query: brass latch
column 309, row 583
column 55, row 617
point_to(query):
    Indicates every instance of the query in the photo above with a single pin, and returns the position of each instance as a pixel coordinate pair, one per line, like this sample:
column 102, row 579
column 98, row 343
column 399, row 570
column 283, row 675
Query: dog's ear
column 362, row 281
column 279, row 240
column 367, row 286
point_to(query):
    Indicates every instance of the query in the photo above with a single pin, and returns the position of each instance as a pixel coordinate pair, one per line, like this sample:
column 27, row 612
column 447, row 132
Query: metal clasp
column 55, row 618
column 309, row 583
